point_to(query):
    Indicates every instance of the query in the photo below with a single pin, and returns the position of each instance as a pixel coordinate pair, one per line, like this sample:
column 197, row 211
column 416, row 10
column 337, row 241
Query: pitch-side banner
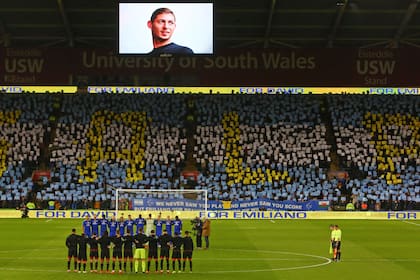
column 257, row 204
column 222, row 214
column 344, row 67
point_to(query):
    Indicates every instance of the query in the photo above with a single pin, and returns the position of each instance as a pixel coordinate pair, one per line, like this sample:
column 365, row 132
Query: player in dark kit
column 94, row 253
column 117, row 251
column 83, row 241
column 71, row 244
column 128, row 242
column 177, row 243
column 165, row 243
column 105, row 243
column 188, row 250
column 153, row 251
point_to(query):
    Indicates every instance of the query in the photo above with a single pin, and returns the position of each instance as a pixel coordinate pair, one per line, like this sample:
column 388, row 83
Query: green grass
column 244, row 249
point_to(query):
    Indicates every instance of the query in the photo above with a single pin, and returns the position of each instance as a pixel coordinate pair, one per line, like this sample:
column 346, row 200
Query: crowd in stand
column 245, row 147
column 23, row 127
column 281, row 152
column 159, row 158
column 378, row 139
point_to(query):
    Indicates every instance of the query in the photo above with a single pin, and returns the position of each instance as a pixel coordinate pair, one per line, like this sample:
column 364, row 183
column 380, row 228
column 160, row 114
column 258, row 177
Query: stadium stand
column 378, row 141
column 281, row 147
column 23, row 129
column 110, row 142
column 262, row 146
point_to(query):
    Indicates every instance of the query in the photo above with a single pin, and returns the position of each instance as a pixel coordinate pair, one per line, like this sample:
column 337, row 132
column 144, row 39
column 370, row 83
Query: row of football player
column 100, row 225
column 182, row 248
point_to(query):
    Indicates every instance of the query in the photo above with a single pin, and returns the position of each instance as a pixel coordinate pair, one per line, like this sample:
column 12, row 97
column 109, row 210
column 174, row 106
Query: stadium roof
column 239, row 23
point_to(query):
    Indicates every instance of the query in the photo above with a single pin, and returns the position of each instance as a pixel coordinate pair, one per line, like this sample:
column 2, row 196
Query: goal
column 186, row 203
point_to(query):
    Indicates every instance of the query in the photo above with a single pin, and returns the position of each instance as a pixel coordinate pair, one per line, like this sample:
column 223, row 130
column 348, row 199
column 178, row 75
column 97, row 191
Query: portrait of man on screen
column 162, row 24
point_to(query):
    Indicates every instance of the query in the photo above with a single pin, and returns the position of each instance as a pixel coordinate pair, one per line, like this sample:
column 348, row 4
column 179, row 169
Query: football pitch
column 242, row 249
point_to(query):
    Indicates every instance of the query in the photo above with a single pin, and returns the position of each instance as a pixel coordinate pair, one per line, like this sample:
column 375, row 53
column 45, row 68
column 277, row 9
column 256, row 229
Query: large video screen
column 163, row 28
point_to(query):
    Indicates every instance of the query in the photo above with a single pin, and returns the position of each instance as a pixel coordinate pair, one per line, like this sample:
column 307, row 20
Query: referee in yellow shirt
column 336, row 242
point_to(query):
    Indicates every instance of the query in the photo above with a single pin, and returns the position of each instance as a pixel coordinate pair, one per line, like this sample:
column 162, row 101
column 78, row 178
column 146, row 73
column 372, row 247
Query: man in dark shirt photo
column 162, row 24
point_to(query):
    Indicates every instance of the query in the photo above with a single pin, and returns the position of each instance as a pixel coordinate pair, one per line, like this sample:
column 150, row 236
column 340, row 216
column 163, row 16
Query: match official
column 337, row 243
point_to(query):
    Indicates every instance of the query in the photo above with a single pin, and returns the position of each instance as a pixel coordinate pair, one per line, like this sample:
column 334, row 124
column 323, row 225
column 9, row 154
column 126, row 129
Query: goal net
column 186, row 204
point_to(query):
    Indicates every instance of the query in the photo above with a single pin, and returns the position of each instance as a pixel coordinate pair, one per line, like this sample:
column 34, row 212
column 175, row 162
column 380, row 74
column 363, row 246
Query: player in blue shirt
column 103, row 224
column 139, row 224
column 129, row 224
column 169, row 224
column 95, row 225
column 121, row 226
column 113, row 227
column 87, row 227
column 177, row 226
column 159, row 226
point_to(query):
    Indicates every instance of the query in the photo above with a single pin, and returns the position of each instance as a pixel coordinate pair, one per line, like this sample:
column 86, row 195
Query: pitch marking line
column 411, row 223
column 30, row 270
column 326, row 261
column 26, row 250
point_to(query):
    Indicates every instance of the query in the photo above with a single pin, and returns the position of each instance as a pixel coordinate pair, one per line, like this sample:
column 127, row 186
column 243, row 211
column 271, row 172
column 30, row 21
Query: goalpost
column 191, row 203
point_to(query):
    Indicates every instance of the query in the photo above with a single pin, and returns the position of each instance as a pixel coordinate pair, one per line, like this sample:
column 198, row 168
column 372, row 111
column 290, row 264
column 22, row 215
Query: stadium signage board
column 253, row 90
column 16, row 89
column 357, row 67
column 224, row 215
